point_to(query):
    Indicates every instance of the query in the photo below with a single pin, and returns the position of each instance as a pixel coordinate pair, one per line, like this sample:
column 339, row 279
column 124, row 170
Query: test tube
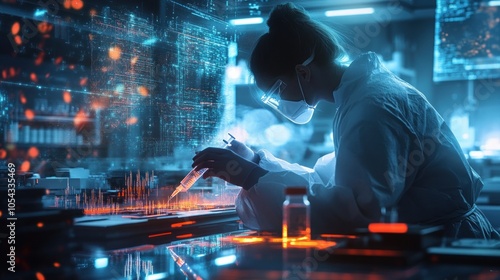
column 194, row 175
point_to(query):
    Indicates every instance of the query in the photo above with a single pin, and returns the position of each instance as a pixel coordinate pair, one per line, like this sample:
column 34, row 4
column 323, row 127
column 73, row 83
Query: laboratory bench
column 245, row 254
column 212, row 243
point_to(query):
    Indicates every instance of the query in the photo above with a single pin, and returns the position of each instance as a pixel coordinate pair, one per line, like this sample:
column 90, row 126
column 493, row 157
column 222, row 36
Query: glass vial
column 296, row 215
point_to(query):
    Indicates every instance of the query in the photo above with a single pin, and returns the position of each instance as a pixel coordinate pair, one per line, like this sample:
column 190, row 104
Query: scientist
column 392, row 149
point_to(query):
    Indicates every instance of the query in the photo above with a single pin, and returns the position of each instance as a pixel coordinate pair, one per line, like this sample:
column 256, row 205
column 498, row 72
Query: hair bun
column 284, row 17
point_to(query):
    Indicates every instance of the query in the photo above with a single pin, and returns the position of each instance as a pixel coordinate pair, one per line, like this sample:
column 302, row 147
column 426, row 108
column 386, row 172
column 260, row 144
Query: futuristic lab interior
column 104, row 105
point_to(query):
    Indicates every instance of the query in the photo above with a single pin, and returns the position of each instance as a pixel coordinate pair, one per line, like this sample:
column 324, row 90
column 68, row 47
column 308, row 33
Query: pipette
column 194, row 175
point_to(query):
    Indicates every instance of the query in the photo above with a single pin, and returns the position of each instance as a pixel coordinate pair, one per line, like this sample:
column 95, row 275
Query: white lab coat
column 392, row 149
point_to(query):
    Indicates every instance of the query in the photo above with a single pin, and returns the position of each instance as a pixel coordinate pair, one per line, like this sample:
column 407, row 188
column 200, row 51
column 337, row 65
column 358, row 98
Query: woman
column 392, row 149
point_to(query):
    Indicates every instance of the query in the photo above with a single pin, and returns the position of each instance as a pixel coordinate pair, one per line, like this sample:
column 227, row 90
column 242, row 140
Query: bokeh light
column 76, row 4
column 33, row 78
column 3, row 154
column 29, row 114
column 25, row 166
column 33, row 152
column 67, row 97
column 80, row 118
column 131, row 121
column 115, row 53
column 15, row 28
column 143, row 90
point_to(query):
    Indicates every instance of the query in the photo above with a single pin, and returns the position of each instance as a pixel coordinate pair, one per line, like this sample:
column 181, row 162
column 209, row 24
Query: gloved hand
column 228, row 166
column 243, row 151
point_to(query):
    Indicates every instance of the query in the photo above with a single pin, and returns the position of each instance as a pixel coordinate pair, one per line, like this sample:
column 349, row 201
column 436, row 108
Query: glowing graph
column 466, row 45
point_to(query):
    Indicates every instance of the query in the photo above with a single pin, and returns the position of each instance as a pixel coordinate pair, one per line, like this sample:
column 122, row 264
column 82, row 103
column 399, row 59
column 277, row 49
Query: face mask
column 298, row 112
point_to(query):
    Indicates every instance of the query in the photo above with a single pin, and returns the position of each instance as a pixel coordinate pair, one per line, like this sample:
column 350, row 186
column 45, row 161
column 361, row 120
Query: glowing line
column 349, row 12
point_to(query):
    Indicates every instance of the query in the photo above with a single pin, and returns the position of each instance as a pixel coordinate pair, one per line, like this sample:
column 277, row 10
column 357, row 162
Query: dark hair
column 292, row 38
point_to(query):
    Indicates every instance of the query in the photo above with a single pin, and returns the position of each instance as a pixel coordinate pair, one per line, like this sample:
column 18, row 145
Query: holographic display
column 466, row 45
column 109, row 80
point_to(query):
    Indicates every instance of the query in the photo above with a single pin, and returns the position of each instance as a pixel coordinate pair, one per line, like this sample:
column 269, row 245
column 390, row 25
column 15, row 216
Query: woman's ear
column 303, row 71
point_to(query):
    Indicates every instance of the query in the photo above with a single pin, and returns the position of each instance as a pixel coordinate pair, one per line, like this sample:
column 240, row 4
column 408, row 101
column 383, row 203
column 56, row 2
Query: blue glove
column 230, row 167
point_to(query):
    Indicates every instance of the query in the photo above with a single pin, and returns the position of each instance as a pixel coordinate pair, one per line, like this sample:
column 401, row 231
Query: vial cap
column 295, row 191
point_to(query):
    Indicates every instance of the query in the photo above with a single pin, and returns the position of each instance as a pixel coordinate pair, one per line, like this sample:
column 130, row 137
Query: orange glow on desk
column 329, row 235
column 388, row 228
column 178, row 225
column 159, row 234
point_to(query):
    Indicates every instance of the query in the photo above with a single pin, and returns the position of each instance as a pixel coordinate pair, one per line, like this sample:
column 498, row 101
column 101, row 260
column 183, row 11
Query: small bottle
column 296, row 215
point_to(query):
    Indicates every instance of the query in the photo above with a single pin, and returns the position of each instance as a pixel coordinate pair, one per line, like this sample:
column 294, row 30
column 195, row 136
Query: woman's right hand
column 243, row 151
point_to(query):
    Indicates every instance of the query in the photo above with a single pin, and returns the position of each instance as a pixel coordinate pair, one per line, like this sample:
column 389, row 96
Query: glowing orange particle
column 3, row 153
column 47, row 75
column 18, row 40
column 79, row 118
column 33, row 78
column 131, row 121
column 25, row 166
column 4, row 74
column 44, row 27
column 71, row 66
column 67, row 4
column 15, row 28
column 67, row 97
column 93, row 12
column 143, row 90
column 133, row 61
column 58, row 60
column 1, row 213
column 22, row 98
column 33, row 152
column 77, row 4
column 83, row 81
column 39, row 58
column 12, row 71
column 39, row 224
column 39, row 276
column 115, row 53
column 56, row 264
column 29, row 114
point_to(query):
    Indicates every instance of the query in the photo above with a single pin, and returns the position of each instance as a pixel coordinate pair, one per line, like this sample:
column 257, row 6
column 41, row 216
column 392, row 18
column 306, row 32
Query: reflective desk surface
column 251, row 255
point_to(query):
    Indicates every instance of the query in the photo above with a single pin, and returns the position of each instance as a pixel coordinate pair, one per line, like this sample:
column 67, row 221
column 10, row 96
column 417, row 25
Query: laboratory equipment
column 296, row 215
column 194, row 175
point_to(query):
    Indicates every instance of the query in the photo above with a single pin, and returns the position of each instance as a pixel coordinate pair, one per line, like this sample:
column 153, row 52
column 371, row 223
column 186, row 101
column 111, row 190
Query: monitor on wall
column 467, row 45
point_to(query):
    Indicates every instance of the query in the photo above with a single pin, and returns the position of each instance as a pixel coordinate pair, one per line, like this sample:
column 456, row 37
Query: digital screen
column 466, row 45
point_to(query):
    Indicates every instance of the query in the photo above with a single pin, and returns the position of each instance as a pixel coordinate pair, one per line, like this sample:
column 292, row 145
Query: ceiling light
column 349, row 12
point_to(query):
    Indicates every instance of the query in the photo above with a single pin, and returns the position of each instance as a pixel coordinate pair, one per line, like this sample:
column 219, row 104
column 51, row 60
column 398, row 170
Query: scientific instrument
column 194, row 175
